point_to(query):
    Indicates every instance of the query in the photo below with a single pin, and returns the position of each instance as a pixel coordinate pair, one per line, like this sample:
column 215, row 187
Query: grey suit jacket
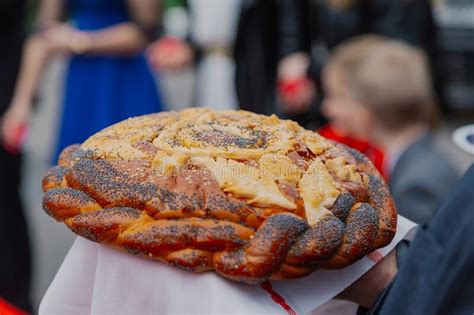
column 420, row 180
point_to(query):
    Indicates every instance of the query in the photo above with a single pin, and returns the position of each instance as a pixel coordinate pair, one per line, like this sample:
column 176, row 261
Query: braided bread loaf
column 250, row 196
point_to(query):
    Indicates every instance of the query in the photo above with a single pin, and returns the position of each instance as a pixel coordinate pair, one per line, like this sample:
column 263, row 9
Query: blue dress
column 102, row 90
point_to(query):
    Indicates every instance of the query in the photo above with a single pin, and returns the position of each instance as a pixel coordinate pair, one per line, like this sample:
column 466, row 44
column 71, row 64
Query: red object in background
column 8, row 309
column 372, row 152
column 19, row 137
column 168, row 44
column 166, row 49
column 290, row 87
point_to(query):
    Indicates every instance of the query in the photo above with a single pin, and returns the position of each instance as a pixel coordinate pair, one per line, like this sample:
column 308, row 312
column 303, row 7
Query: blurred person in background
column 255, row 56
column 309, row 29
column 108, row 78
column 380, row 90
column 210, row 38
column 243, row 30
column 15, row 268
column 172, row 57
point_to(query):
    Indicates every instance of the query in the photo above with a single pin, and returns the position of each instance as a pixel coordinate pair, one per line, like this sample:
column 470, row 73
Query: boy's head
column 372, row 83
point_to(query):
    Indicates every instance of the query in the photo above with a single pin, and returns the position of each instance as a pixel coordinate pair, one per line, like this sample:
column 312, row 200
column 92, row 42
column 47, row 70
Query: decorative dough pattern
column 252, row 197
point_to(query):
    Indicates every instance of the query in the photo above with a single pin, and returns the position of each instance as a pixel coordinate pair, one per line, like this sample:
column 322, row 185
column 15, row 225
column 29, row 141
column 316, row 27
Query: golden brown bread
column 250, row 196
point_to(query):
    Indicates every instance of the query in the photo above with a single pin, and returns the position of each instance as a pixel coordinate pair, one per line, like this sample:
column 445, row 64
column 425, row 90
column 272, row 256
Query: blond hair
column 391, row 78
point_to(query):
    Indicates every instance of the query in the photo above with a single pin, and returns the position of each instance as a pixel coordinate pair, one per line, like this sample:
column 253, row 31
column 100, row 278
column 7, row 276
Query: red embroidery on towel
column 267, row 286
column 375, row 256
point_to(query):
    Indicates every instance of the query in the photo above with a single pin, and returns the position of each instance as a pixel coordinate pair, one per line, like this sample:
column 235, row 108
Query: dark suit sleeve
column 437, row 275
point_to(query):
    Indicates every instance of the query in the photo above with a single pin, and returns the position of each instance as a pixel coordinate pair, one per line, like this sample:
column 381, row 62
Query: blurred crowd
column 367, row 73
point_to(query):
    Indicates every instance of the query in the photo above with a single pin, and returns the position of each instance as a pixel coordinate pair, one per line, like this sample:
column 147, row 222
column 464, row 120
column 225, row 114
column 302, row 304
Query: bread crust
column 251, row 197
